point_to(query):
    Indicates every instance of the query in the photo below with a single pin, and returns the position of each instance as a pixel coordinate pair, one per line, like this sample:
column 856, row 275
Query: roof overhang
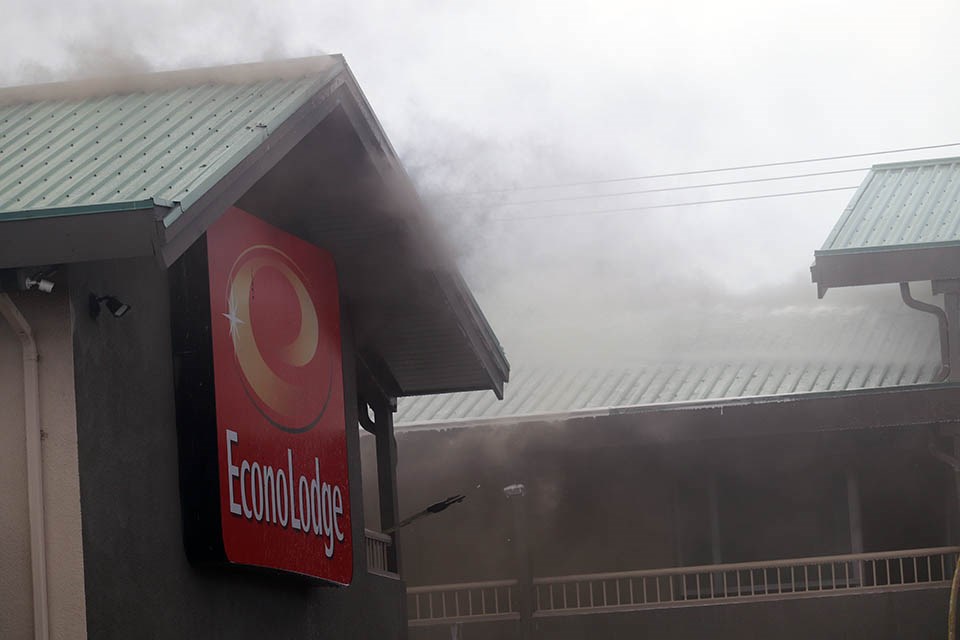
column 329, row 175
column 902, row 225
column 882, row 266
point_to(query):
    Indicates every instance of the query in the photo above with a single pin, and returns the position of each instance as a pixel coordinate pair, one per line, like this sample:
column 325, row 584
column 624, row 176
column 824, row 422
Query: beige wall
column 50, row 318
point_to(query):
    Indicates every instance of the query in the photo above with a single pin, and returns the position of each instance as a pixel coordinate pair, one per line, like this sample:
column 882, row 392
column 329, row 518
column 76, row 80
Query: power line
column 702, row 171
column 669, row 206
column 681, row 188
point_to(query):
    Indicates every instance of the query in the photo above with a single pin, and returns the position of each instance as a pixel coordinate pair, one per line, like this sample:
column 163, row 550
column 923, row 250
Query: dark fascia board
column 919, row 405
column 902, row 264
column 81, row 237
column 477, row 330
column 470, row 318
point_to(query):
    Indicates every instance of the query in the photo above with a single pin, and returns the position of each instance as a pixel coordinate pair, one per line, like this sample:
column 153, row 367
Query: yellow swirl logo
column 275, row 330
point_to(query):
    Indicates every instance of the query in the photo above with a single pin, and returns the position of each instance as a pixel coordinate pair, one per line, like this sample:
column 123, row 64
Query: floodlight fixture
column 116, row 308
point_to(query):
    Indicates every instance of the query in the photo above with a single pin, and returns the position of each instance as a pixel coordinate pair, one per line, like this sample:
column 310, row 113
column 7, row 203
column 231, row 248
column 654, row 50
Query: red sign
column 278, row 389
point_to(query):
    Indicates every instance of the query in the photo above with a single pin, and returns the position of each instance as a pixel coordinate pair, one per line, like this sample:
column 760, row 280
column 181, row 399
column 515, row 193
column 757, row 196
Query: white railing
column 744, row 582
column 378, row 553
column 465, row 602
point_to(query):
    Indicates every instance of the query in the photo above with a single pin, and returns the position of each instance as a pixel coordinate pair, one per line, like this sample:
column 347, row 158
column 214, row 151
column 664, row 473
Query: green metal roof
column 134, row 147
column 777, row 355
column 901, row 205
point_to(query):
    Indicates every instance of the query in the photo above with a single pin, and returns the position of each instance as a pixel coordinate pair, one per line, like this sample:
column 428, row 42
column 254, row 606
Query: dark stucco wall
column 137, row 579
column 891, row 616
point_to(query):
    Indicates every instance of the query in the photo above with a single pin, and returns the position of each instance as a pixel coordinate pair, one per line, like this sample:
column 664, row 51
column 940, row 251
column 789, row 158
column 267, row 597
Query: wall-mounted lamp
column 116, row 308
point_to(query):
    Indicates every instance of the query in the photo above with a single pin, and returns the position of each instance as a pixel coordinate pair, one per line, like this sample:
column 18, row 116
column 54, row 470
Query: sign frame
column 218, row 533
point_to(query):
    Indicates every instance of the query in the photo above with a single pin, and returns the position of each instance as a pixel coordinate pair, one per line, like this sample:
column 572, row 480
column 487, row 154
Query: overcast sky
column 488, row 95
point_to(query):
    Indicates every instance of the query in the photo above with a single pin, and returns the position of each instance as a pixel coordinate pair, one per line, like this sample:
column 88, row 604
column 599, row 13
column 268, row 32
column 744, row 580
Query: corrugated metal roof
column 133, row 149
column 825, row 352
column 899, row 205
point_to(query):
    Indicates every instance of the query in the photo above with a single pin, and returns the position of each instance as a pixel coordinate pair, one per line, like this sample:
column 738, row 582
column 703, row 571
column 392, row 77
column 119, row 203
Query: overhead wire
column 680, row 188
column 693, row 172
column 569, row 214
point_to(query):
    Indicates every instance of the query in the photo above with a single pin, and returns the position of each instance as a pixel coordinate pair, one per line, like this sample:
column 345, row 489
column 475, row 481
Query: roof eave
column 885, row 265
column 103, row 233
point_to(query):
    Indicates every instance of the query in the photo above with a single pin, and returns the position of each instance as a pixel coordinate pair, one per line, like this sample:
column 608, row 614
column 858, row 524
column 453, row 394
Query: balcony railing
column 465, row 602
column 378, row 553
column 745, row 582
column 686, row 586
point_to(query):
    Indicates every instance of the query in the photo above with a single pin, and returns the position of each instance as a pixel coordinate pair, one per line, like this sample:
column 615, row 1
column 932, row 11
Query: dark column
column 521, row 543
column 387, row 477
column 713, row 497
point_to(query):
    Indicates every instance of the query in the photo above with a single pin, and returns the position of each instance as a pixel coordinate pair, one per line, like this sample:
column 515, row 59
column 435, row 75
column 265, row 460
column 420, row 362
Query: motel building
column 210, row 280
column 796, row 475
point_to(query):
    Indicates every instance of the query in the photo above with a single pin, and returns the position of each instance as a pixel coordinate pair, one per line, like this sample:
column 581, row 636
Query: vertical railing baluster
column 683, row 581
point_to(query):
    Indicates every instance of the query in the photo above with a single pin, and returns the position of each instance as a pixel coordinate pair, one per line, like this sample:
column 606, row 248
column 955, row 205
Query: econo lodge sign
column 277, row 416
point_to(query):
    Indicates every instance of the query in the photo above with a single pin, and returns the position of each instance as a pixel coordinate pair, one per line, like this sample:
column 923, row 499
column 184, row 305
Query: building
column 198, row 271
column 804, row 486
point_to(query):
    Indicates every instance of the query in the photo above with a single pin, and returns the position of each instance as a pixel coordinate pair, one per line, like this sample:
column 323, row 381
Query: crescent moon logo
column 279, row 383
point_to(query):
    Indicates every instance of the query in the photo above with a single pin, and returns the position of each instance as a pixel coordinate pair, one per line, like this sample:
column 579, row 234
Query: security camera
column 40, row 284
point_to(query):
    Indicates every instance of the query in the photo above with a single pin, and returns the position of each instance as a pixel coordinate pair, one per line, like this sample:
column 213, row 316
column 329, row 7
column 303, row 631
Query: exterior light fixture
column 39, row 283
column 436, row 507
column 116, row 308
column 515, row 491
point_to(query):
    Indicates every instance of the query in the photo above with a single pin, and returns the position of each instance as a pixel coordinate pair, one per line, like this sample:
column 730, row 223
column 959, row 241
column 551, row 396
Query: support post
column 713, row 497
column 855, row 520
column 387, row 478
column 853, row 509
column 521, row 543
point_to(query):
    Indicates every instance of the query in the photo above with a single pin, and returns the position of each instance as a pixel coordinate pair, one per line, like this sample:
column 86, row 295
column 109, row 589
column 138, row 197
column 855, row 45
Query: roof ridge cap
column 149, row 81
